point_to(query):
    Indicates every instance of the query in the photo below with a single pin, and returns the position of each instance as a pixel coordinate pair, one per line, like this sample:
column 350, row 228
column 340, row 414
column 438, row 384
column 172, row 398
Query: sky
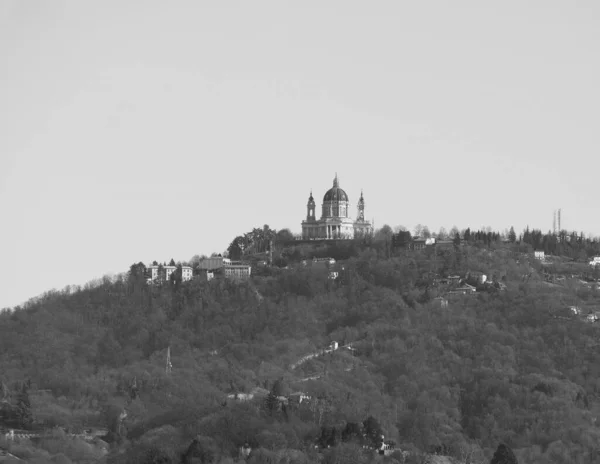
column 149, row 130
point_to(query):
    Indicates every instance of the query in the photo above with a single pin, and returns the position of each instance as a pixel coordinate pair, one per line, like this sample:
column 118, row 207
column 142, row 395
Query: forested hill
column 500, row 366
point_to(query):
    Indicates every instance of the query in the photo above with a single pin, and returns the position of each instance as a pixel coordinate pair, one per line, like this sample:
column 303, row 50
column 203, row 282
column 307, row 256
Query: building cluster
column 154, row 272
column 229, row 268
column 206, row 268
column 470, row 284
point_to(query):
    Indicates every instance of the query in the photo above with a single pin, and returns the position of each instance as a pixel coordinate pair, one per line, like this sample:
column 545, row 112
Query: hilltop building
column 335, row 221
column 186, row 272
column 229, row 268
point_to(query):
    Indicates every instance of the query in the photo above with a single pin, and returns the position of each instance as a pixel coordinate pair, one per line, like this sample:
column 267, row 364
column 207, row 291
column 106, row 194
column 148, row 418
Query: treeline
column 490, row 368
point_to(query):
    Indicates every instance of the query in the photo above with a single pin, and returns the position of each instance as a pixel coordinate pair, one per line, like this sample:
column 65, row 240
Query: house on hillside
column 576, row 310
column 298, row 397
column 213, row 263
column 595, row 261
column 418, row 243
column 464, row 289
column 476, row 277
column 539, row 255
column 153, row 269
column 454, row 280
column 237, row 271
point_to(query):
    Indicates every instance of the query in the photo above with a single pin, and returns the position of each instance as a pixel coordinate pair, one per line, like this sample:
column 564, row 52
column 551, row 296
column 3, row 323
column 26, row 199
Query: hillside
column 504, row 365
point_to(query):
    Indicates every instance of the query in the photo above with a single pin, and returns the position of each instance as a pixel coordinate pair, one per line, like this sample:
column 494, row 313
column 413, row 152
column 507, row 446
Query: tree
column 512, row 236
column 467, row 234
column 23, row 409
column 156, row 455
column 442, row 234
column 177, row 276
column 456, row 239
column 278, row 388
column 384, row 234
column 284, row 235
column 202, row 450
column 271, row 403
column 504, row 455
column 373, row 431
column 172, row 262
column 352, row 432
column 236, row 248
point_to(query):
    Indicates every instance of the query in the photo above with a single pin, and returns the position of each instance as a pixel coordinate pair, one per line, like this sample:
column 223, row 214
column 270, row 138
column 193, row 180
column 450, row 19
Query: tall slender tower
column 360, row 216
column 310, row 208
column 559, row 226
column 554, row 222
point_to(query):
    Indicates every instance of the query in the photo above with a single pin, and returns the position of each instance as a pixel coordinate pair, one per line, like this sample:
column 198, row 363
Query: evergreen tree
column 24, row 417
column 467, row 234
column 512, row 236
column 373, row 431
column 504, row 455
column 271, row 403
column 457, row 239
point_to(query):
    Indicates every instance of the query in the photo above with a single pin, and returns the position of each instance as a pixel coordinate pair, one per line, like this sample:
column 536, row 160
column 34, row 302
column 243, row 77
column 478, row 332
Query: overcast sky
column 140, row 130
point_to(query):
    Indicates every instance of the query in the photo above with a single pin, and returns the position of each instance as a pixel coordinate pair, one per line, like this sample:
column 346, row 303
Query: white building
column 539, row 255
column 186, row 272
column 241, row 271
column 595, row 261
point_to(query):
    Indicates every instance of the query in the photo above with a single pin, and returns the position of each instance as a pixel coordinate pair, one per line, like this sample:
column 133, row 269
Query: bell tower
column 310, row 208
column 360, row 217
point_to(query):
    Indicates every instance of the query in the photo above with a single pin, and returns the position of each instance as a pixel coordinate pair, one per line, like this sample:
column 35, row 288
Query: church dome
column 335, row 193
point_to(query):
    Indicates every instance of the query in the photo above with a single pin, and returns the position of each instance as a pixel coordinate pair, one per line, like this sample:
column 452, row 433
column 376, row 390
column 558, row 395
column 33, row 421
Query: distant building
column 418, row 243
column 240, row 271
column 539, row 255
column 335, row 221
column 454, row 280
column 477, row 277
column 575, row 310
column 213, row 263
column 466, row 289
column 186, row 273
column 595, row 261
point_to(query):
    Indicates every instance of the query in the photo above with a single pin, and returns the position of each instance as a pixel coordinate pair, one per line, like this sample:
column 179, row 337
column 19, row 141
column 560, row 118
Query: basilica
column 335, row 222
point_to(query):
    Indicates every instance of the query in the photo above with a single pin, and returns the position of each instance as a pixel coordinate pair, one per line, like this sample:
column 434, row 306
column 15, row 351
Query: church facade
column 336, row 221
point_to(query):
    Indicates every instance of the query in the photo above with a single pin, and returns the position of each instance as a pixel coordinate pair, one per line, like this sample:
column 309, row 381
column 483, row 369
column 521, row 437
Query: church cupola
column 335, row 201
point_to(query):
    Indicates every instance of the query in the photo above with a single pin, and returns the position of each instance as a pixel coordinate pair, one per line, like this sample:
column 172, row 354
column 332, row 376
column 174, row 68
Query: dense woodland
column 497, row 368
